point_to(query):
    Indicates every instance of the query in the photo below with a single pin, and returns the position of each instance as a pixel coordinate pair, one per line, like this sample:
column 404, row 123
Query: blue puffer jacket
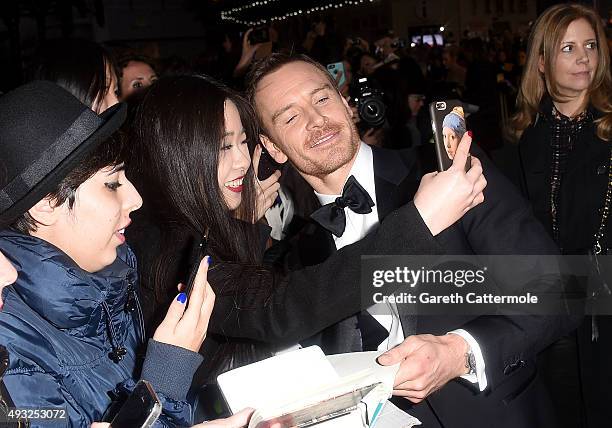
column 72, row 337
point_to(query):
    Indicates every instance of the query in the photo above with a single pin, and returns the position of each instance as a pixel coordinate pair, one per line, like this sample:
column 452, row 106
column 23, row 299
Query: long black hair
column 79, row 66
column 176, row 138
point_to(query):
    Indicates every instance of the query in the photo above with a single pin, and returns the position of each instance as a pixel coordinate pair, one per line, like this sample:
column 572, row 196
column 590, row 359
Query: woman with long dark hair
column 192, row 139
column 564, row 120
column 184, row 156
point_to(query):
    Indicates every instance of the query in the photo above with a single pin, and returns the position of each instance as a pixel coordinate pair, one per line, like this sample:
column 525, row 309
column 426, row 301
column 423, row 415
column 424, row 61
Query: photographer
column 369, row 111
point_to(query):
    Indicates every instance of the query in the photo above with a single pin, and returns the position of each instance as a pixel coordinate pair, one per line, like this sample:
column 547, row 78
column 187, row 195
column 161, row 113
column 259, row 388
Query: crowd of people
column 269, row 166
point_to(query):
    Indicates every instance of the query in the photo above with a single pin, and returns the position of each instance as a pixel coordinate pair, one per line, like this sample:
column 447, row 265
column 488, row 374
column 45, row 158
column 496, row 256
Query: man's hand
column 239, row 420
column 444, row 197
column 427, row 363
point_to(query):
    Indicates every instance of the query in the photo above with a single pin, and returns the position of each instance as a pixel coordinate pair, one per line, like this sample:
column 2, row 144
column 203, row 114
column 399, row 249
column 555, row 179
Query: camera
column 440, row 105
column 370, row 103
column 259, row 35
column 398, row 43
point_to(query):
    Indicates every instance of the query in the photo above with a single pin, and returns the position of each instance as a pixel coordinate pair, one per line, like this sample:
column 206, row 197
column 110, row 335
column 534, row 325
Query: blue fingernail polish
column 182, row 297
column 209, row 259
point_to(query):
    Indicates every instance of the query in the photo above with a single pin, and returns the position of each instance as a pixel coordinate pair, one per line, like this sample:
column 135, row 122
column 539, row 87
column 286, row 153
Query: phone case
column 259, row 35
column 267, row 165
column 141, row 409
column 196, row 254
column 153, row 416
column 334, row 69
column 448, row 125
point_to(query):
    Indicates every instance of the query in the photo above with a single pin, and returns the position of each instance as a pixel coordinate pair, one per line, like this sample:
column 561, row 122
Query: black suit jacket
column 503, row 224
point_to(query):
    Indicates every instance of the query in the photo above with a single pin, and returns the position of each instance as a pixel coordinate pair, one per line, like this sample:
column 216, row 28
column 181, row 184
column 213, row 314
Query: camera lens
column 372, row 112
column 370, row 104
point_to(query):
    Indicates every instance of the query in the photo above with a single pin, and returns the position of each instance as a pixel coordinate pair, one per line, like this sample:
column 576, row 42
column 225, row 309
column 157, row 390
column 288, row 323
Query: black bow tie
column 331, row 216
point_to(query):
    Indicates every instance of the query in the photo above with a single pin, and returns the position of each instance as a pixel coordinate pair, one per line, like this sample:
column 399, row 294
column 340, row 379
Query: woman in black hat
column 72, row 322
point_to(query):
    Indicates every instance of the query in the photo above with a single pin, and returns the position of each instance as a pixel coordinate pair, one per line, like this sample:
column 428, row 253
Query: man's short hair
column 272, row 63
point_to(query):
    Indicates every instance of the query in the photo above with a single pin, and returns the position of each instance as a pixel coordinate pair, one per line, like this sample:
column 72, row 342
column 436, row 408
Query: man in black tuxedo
column 306, row 121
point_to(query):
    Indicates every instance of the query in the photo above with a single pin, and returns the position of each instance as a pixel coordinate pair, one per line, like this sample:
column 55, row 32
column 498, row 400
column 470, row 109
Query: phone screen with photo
column 448, row 125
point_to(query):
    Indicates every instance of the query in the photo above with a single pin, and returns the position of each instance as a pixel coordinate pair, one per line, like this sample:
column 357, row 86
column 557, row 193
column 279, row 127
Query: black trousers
column 578, row 374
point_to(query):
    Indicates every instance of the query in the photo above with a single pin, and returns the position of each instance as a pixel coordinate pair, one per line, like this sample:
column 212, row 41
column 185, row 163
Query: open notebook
column 304, row 388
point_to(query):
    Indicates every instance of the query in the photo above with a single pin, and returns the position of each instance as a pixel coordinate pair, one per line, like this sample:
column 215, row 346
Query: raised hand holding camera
column 370, row 104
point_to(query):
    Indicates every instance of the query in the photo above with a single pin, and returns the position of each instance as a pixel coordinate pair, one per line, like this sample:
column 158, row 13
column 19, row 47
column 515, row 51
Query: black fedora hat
column 44, row 133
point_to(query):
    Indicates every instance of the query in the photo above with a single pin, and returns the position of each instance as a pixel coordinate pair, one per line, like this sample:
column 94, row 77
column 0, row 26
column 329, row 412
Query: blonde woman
column 564, row 121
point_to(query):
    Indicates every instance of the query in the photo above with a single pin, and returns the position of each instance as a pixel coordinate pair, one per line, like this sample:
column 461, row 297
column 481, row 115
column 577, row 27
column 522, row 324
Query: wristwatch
column 470, row 362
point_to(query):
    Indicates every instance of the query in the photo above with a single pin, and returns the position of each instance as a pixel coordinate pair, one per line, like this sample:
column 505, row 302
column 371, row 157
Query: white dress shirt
column 357, row 227
column 280, row 215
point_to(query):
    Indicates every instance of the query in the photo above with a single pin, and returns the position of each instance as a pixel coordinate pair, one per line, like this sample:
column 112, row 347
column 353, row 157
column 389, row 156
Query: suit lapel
column 315, row 244
column 395, row 180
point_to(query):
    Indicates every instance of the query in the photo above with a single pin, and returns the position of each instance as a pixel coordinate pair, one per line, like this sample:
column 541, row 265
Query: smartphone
column 448, row 125
column 267, row 165
column 140, row 410
column 335, row 68
column 196, row 253
column 259, row 35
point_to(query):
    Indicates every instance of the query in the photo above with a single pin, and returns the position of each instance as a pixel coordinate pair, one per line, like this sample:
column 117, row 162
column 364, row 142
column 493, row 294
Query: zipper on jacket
column 133, row 302
column 118, row 352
